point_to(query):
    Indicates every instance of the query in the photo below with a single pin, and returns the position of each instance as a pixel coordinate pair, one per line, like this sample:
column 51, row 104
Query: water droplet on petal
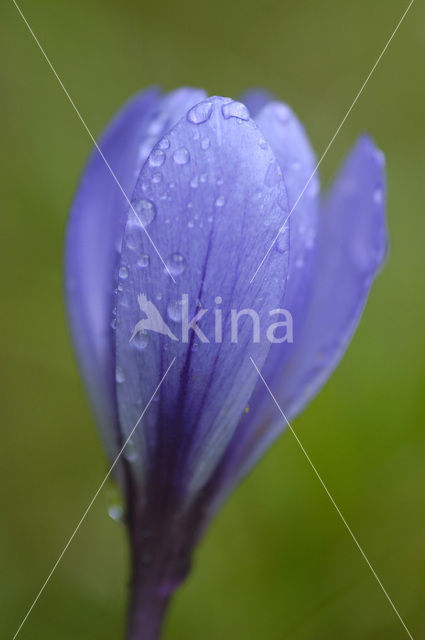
column 164, row 144
column 205, row 144
column 119, row 375
column 313, row 188
column 130, row 451
column 174, row 311
column 235, row 110
column 123, row 272
column 143, row 261
column 115, row 502
column 377, row 196
column 157, row 158
column 145, row 210
column 194, row 182
column 220, row 201
column 200, row 113
column 141, row 340
column 282, row 242
column 283, row 112
column 176, row 264
column 181, row 156
column 157, row 177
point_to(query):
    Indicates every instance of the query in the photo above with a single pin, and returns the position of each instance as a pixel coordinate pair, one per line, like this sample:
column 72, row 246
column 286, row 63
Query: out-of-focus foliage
column 277, row 562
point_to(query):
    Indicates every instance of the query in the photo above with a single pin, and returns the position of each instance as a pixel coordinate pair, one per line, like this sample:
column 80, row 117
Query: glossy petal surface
column 216, row 198
column 94, row 235
column 351, row 247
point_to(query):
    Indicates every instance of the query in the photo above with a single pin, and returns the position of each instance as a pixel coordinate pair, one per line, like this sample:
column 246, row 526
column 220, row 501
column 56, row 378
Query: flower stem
column 146, row 611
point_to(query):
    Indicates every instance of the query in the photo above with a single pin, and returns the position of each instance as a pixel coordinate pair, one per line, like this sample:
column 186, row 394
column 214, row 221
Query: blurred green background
column 277, row 562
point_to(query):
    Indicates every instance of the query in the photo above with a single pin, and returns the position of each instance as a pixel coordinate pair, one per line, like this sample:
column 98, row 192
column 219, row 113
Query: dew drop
column 174, row 310
column 157, row 177
column 377, row 196
column 282, row 242
column 141, row 340
column 145, row 209
column 220, row 201
column 313, row 188
column 194, row 183
column 157, row 158
column 119, row 375
column 200, row 113
column 130, row 451
column 205, row 144
column 235, row 110
column 131, row 240
column 143, row 261
column 123, row 272
column 164, row 144
column 115, row 502
column 176, row 264
column 181, row 156
column 283, row 112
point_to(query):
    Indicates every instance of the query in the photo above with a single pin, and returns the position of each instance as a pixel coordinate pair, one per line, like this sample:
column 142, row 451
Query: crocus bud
column 197, row 246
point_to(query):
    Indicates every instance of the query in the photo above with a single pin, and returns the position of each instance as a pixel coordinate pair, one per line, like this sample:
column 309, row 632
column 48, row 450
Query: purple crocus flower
column 172, row 298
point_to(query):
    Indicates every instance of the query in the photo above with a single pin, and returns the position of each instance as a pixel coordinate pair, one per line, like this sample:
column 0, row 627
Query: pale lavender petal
column 255, row 100
column 94, row 236
column 351, row 247
column 212, row 197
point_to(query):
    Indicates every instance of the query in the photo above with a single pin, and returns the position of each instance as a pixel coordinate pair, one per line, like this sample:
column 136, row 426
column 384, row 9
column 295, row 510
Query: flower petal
column 291, row 146
column 94, row 235
column 213, row 198
column 351, row 247
column 297, row 160
column 255, row 100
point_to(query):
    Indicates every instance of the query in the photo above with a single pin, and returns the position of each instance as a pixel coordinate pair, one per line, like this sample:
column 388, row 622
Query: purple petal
column 213, row 198
column 351, row 247
column 94, row 235
column 296, row 158
column 255, row 100
column 291, row 146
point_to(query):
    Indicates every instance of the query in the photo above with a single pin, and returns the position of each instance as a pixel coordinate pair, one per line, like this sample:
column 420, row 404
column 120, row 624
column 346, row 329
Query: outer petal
column 216, row 198
column 352, row 245
column 296, row 158
column 255, row 100
column 94, row 235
